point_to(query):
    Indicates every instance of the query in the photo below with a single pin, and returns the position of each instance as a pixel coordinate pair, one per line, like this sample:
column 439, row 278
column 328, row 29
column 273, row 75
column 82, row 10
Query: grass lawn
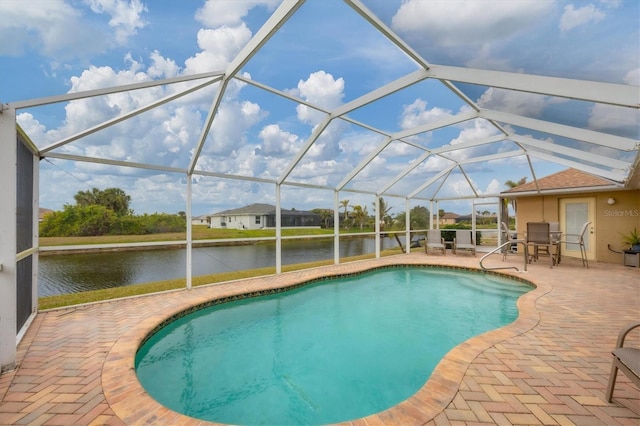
column 199, row 232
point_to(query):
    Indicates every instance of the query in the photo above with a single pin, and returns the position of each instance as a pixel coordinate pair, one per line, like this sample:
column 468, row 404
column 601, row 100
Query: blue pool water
column 327, row 352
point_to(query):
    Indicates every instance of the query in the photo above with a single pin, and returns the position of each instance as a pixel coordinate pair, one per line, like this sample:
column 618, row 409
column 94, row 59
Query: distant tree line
column 106, row 212
column 359, row 217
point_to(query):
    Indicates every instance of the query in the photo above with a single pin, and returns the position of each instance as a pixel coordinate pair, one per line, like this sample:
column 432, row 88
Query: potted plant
column 633, row 239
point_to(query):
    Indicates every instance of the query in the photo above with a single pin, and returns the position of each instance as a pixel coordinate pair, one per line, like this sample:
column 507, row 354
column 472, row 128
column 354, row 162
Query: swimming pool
column 326, row 352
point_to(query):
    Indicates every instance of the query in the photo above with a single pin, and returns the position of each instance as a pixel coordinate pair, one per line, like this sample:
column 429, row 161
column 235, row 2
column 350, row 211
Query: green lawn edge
column 72, row 299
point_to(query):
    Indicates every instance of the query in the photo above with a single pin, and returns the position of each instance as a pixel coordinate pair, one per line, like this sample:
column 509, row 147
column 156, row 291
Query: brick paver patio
column 551, row 366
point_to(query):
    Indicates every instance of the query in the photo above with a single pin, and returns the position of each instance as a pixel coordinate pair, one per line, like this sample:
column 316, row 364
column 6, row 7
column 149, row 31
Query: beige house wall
column 610, row 220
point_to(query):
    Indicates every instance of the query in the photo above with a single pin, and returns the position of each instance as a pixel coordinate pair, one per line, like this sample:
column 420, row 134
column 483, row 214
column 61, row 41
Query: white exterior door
column 574, row 213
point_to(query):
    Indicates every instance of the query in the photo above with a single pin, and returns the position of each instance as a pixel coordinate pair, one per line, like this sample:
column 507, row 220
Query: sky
column 326, row 55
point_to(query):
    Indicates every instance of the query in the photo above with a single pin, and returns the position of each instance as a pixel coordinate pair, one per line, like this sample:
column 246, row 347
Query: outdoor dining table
column 543, row 235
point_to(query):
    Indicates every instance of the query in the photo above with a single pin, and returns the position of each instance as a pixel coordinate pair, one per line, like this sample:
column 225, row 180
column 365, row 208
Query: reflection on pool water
column 327, row 352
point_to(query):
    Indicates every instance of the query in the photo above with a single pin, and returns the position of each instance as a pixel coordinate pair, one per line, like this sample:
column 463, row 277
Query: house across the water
column 260, row 216
column 200, row 220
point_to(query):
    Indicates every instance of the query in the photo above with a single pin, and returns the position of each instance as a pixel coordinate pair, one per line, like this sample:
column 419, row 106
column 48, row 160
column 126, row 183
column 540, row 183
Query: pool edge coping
column 132, row 404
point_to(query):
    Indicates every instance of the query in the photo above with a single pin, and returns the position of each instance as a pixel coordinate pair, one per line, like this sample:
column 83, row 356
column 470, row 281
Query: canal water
column 71, row 273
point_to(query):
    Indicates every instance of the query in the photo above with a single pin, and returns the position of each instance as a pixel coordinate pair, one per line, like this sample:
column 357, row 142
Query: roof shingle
column 570, row 178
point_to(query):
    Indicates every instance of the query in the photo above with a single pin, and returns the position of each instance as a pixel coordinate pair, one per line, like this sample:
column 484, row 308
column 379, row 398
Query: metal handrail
column 500, row 247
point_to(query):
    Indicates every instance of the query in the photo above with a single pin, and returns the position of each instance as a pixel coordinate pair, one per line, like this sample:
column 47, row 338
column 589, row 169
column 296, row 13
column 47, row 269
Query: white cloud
column 228, row 131
column 417, row 114
column 217, row 13
column 475, row 130
column 180, row 129
column 572, row 17
column 37, row 131
column 494, row 187
column 607, row 117
column 633, row 77
column 162, row 67
column 458, row 186
column 84, row 113
column 276, row 141
column 53, row 28
column 317, row 172
column 126, row 16
column 61, row 31
column 162, row 135
column 528, row 104
column 219, row 46
column 321, row 89
column 466, row 22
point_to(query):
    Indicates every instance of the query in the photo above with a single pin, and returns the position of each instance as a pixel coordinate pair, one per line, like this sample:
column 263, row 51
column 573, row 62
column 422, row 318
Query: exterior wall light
column 611, row 201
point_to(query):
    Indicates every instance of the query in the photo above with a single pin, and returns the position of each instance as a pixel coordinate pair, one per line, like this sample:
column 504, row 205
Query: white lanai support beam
column 109, row 90
column 113, row 162
column 435, row 194
column 126, row 116
column 471, row 103
column 336, row 227
column 431, row 181
column 432, row 126
column 533, row 172
column 606, row 174
column 8, row 226
column 536, row 145
column 189, row 235
column 633, row 180
column 591, row 91
column 430, row 216
column 473, row 189
column 405, row 172
column 278, row 230
column 447, row 121
column 373, row 154
column 460, row 94
column 597, row 138
column 280, row 93
column 407, row 225
column 386, row 31
column 463, row 145
column 403, row 134
column 376, row 224
column 286, row 9
column 277, row 19
column 441, row 150
column 413, row 144
column 381, row 92
column 492, row 157
column 35, row 258
column 364, row 125
column 207, row 125
column 312, row 139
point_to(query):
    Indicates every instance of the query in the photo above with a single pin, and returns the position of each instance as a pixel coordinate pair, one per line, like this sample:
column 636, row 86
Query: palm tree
column 506, row 201
column 345, row 204
column 383, row 215
column 360, row 215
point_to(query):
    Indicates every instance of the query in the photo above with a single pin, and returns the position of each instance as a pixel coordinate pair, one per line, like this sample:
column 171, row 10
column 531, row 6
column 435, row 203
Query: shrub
column 78, row 221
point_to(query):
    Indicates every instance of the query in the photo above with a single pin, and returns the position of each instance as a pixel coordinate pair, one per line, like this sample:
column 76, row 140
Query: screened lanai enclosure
column 308, row 104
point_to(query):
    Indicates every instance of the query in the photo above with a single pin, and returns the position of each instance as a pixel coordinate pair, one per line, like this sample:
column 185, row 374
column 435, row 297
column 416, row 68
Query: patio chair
column 463, row 241
column 435, row 242
column 539, row 237
column 625, row 359
column 579, row 240
column 555, row 237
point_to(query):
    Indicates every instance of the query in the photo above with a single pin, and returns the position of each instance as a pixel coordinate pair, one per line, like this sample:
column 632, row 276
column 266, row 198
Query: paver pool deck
column 551, row 366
